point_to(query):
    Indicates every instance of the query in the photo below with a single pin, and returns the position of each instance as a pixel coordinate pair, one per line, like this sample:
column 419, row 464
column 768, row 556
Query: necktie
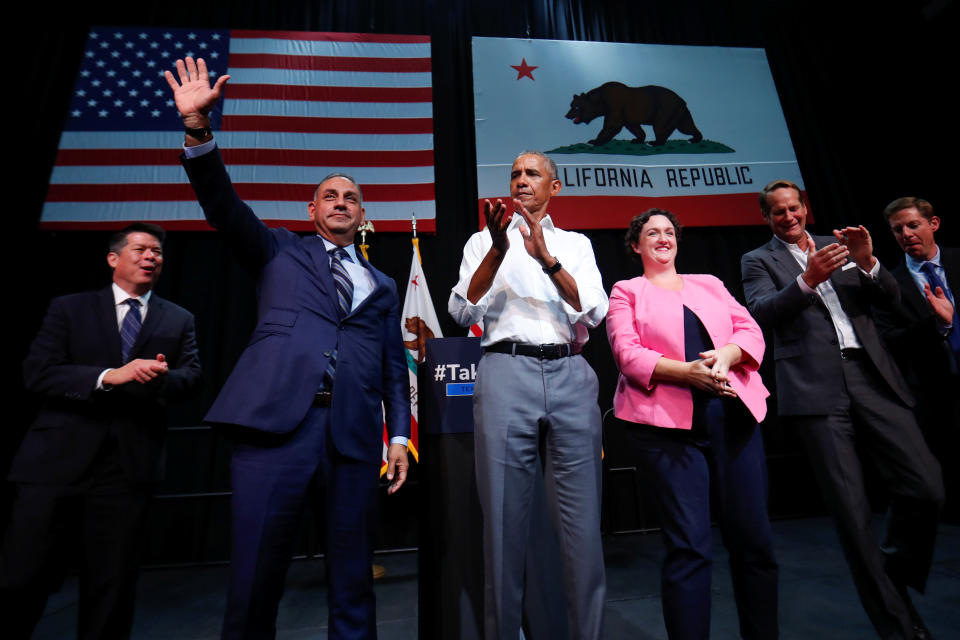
column 341, row 279
column 344, row 286
column 130, row 328
column 929, row 270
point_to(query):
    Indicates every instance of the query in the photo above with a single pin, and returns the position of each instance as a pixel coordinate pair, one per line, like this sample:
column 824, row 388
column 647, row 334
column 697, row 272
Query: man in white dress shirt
column 537, row 290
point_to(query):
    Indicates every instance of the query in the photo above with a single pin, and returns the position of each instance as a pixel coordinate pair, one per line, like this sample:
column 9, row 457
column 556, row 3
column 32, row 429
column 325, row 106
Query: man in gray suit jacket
column 839, row 386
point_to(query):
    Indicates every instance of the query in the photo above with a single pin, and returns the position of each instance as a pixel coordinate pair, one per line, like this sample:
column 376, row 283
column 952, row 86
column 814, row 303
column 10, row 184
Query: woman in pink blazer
column 690, row 397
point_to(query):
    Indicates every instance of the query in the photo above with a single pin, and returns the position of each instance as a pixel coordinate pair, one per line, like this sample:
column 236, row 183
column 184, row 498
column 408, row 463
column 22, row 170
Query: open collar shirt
column 846, row 334
column 523, row 304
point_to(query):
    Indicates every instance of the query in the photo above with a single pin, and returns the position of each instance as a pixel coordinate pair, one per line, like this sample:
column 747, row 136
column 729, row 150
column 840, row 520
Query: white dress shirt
column 363, row 281
column 120, row 298
column 523, row 304
column 846, row 335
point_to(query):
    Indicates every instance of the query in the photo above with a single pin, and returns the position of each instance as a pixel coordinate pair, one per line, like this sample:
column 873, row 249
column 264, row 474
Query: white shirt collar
column 546, row 222
column 351, row 248
column 120, row 296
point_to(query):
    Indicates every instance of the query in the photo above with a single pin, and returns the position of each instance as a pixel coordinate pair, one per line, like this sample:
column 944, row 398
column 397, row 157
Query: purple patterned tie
column 129, row 329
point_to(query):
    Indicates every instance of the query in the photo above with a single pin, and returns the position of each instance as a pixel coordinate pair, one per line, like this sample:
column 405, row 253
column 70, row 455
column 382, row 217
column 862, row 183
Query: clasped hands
column 140, row 370
column 711, row 372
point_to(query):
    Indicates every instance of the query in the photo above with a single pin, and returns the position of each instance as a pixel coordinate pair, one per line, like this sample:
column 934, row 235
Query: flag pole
column 415, row 239
column 366, row 226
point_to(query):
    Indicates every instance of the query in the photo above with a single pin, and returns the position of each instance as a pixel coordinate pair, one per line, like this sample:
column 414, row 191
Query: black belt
column 540, row 351
column 854, row 353
column 323, row 399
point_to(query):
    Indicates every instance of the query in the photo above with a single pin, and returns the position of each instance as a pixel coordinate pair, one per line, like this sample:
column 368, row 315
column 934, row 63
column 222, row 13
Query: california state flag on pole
column 418, row 322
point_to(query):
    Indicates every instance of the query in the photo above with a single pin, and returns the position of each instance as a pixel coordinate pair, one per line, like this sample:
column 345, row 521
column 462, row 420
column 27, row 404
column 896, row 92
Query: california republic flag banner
column 419, row 322
column 696, row 130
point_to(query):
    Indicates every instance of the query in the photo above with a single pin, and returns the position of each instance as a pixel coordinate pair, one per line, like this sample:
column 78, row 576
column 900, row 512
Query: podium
column 451, row 523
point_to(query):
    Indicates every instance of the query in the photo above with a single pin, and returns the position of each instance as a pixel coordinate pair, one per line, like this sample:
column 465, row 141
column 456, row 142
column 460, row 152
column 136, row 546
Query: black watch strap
column 199, row 134
column 552, row 270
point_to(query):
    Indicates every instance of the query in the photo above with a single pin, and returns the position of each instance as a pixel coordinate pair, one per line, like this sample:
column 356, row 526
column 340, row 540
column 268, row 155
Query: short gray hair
column 337, row 174
column 554, row 174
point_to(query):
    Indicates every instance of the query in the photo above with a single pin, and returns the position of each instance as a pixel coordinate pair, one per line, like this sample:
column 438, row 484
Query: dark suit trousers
column 886, row 432
column 722, row 465
column 272, row 477
column 102, row 516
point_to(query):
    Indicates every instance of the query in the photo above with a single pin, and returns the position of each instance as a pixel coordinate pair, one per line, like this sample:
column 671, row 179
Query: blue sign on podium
column 447, row 376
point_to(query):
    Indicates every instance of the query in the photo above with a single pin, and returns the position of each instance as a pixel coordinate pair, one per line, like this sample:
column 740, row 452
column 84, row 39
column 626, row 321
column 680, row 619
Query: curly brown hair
column 636, row 225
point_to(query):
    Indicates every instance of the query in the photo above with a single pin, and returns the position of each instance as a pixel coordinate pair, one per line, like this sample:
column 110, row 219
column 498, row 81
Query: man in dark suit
column 924, row 333
column 839, row 387
column 305, row 397
column 106, row 363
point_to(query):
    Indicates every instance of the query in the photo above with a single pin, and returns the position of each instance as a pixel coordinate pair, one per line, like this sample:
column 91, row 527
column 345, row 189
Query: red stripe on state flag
column 248, row 191
column 320, row 36
column 328, row 63
column 283, row 157
column 328, row 94
column 615, row 212
column 303, row 124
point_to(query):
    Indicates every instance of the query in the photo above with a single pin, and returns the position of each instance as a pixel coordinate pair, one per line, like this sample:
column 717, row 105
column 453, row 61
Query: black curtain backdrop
column 864, row 90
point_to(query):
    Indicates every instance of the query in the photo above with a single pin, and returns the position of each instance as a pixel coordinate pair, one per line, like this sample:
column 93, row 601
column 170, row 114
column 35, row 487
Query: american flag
column 298, row 106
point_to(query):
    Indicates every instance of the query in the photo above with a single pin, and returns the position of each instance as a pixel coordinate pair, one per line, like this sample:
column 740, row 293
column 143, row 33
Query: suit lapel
column 785, row 263
column 377, row 289
column 154, row 317
column 321, row 265
column 910, row 292
column 107, row 318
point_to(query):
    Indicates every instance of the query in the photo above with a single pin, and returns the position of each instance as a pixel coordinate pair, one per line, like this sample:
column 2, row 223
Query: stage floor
column 817, row 597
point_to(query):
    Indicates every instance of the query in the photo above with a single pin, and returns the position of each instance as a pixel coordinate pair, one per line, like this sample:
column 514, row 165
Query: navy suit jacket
column 79, row 338
column 805, row 346
column 911, row 330
column 273, row 384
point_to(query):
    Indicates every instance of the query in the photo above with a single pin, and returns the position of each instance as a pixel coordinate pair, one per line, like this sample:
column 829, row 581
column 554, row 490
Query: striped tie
column 342, row 279
column 344, row 287
column 130, row 328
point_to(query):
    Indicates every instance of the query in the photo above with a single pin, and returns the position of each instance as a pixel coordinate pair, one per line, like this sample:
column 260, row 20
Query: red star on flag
column 523, row 69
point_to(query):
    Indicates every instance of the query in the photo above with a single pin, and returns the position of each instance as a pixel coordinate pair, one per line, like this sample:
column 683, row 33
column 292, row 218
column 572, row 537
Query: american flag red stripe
column 329, row 63
column 298, row 105
column 332, row 94
column 331, row 157
column 328, row 125
column 160, row 192
column 327, row 36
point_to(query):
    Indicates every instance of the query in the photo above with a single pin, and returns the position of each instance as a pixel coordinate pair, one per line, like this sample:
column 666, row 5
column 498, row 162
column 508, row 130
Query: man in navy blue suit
column 305, row 396
column 923, row 333
column 106, row 363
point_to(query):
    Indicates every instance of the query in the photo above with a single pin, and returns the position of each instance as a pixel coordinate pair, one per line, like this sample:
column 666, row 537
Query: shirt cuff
column 464, row 312
column 874, row 270
column 804, row 286
column 100, row 386
column 198, row 150
column 399, row 440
